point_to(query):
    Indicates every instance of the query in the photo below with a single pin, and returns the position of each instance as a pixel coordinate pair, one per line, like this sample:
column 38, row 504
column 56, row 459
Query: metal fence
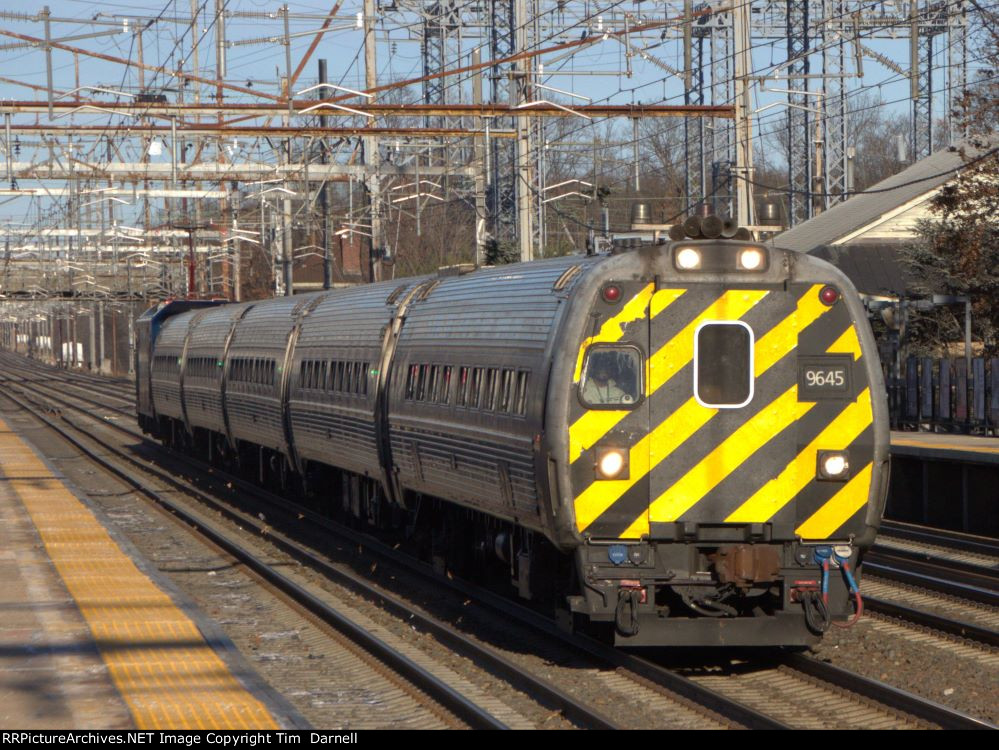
column 942, row 395
column 90, row 335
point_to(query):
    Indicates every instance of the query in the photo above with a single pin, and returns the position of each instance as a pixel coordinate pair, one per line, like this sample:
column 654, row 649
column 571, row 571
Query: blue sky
column 257, row 60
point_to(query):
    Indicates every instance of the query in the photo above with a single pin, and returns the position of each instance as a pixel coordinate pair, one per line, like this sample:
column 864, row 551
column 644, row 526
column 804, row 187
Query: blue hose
column 822, row 555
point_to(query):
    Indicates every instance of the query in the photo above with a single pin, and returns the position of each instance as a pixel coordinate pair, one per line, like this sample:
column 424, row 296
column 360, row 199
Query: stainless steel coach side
column 255, row 370
column 470, row 375
column 166, row 363
column 335, row 375
column 204, row 363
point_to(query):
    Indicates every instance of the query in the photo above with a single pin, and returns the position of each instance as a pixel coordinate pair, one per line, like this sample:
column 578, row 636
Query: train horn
column 692, row 227
column 676, row 232
column 729, row 227
column 711, row 227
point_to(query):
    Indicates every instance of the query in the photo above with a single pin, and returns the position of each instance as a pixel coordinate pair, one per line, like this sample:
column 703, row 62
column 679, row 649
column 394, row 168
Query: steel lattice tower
column 501, row 191
column 799, row 173
column 835, row 133
column 722, row 131
column 695, row 178
column 927, row 23
column 957, row 66
column 435, row 29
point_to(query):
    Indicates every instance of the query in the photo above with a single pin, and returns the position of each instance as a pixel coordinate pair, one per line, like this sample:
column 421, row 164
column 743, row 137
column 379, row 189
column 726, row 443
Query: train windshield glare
column 723, row 364
column 611, row 376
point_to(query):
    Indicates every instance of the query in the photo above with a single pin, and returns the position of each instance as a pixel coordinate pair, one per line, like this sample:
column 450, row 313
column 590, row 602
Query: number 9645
column 827, row 378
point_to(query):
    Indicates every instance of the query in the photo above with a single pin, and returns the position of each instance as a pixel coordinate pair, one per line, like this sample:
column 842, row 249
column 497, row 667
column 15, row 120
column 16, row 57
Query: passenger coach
column 684, row 441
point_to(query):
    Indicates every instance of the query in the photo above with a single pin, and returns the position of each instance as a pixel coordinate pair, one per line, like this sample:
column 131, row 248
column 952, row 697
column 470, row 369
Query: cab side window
column 612, row 377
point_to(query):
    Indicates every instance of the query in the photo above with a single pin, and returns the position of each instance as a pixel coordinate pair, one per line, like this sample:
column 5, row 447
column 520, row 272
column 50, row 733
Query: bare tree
column 958, row 251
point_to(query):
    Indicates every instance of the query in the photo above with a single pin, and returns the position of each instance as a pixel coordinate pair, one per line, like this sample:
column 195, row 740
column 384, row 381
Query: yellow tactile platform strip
column 957, row 444
column 169, row 677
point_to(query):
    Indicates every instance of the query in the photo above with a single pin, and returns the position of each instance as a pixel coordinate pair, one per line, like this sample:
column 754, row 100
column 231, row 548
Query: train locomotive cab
column 717, row 432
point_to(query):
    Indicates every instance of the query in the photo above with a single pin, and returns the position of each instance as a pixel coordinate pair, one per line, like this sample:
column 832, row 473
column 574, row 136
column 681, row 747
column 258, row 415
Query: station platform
column 945, row 481
column 935, row 446
column 89, row 639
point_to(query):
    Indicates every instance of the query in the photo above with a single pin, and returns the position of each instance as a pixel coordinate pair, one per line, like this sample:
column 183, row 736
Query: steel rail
column 749, row 717
column 957, row 540
column 942, row 716
column 959, row 628
column 541, row 690
column 465, row 709
column 935, row 577
column 660, row 676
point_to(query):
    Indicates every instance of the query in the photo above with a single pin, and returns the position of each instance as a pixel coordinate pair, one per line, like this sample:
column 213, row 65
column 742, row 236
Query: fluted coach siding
column 203, row 396
column 166, row 382
column 254, row 410
column 502, row 318
column 348, row 325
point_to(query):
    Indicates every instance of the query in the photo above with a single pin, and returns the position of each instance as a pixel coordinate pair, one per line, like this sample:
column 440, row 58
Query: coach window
column 475, row 388
column 507, row 391
column 522, row 380
column 338, row 376
column 433, row 379
column 612, row 377
column 423, row 383
column 459, row 398
column 411, row 382
column 444, row 392
column 723, row 364
column 348, row 378
column 488, row 402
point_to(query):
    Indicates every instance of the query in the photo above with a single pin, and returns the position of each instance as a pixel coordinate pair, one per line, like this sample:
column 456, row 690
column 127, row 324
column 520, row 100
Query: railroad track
column 759, row 698
column 467, row 710
column 421, row 675
column 954, row 541
column 960, row 566
column 955, row 565
column 929, row 571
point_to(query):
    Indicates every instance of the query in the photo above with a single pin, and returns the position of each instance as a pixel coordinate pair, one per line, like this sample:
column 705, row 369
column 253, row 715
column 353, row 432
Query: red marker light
column 612, row 293
column 829, row 295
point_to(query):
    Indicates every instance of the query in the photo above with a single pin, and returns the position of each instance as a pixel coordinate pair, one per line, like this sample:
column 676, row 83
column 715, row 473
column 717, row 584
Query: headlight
column 687, row 258
column 751, row 259
column 833, row 465
column 612, row 463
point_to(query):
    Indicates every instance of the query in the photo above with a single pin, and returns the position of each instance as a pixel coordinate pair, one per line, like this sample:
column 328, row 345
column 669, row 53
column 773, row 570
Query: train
column 675, row 442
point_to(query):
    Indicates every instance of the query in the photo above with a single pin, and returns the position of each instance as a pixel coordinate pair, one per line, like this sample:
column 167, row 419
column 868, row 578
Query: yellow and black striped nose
column 691, row 463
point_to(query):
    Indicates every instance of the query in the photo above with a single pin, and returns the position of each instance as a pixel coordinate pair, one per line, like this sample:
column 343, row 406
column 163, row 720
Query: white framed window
column 723, row 364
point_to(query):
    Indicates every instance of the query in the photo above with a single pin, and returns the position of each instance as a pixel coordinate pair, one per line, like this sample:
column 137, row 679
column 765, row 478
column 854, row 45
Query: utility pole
column 287, row 272
column 195, row 12
column 743, row 118
column 46, row 15
column 237, row 275
column 228, row 290
column 372, row 161
column 481, row 149
column 522, row 83
column 324, row 198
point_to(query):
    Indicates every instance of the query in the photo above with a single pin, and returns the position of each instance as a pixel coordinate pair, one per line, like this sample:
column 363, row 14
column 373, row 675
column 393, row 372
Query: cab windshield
column 611, row 377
